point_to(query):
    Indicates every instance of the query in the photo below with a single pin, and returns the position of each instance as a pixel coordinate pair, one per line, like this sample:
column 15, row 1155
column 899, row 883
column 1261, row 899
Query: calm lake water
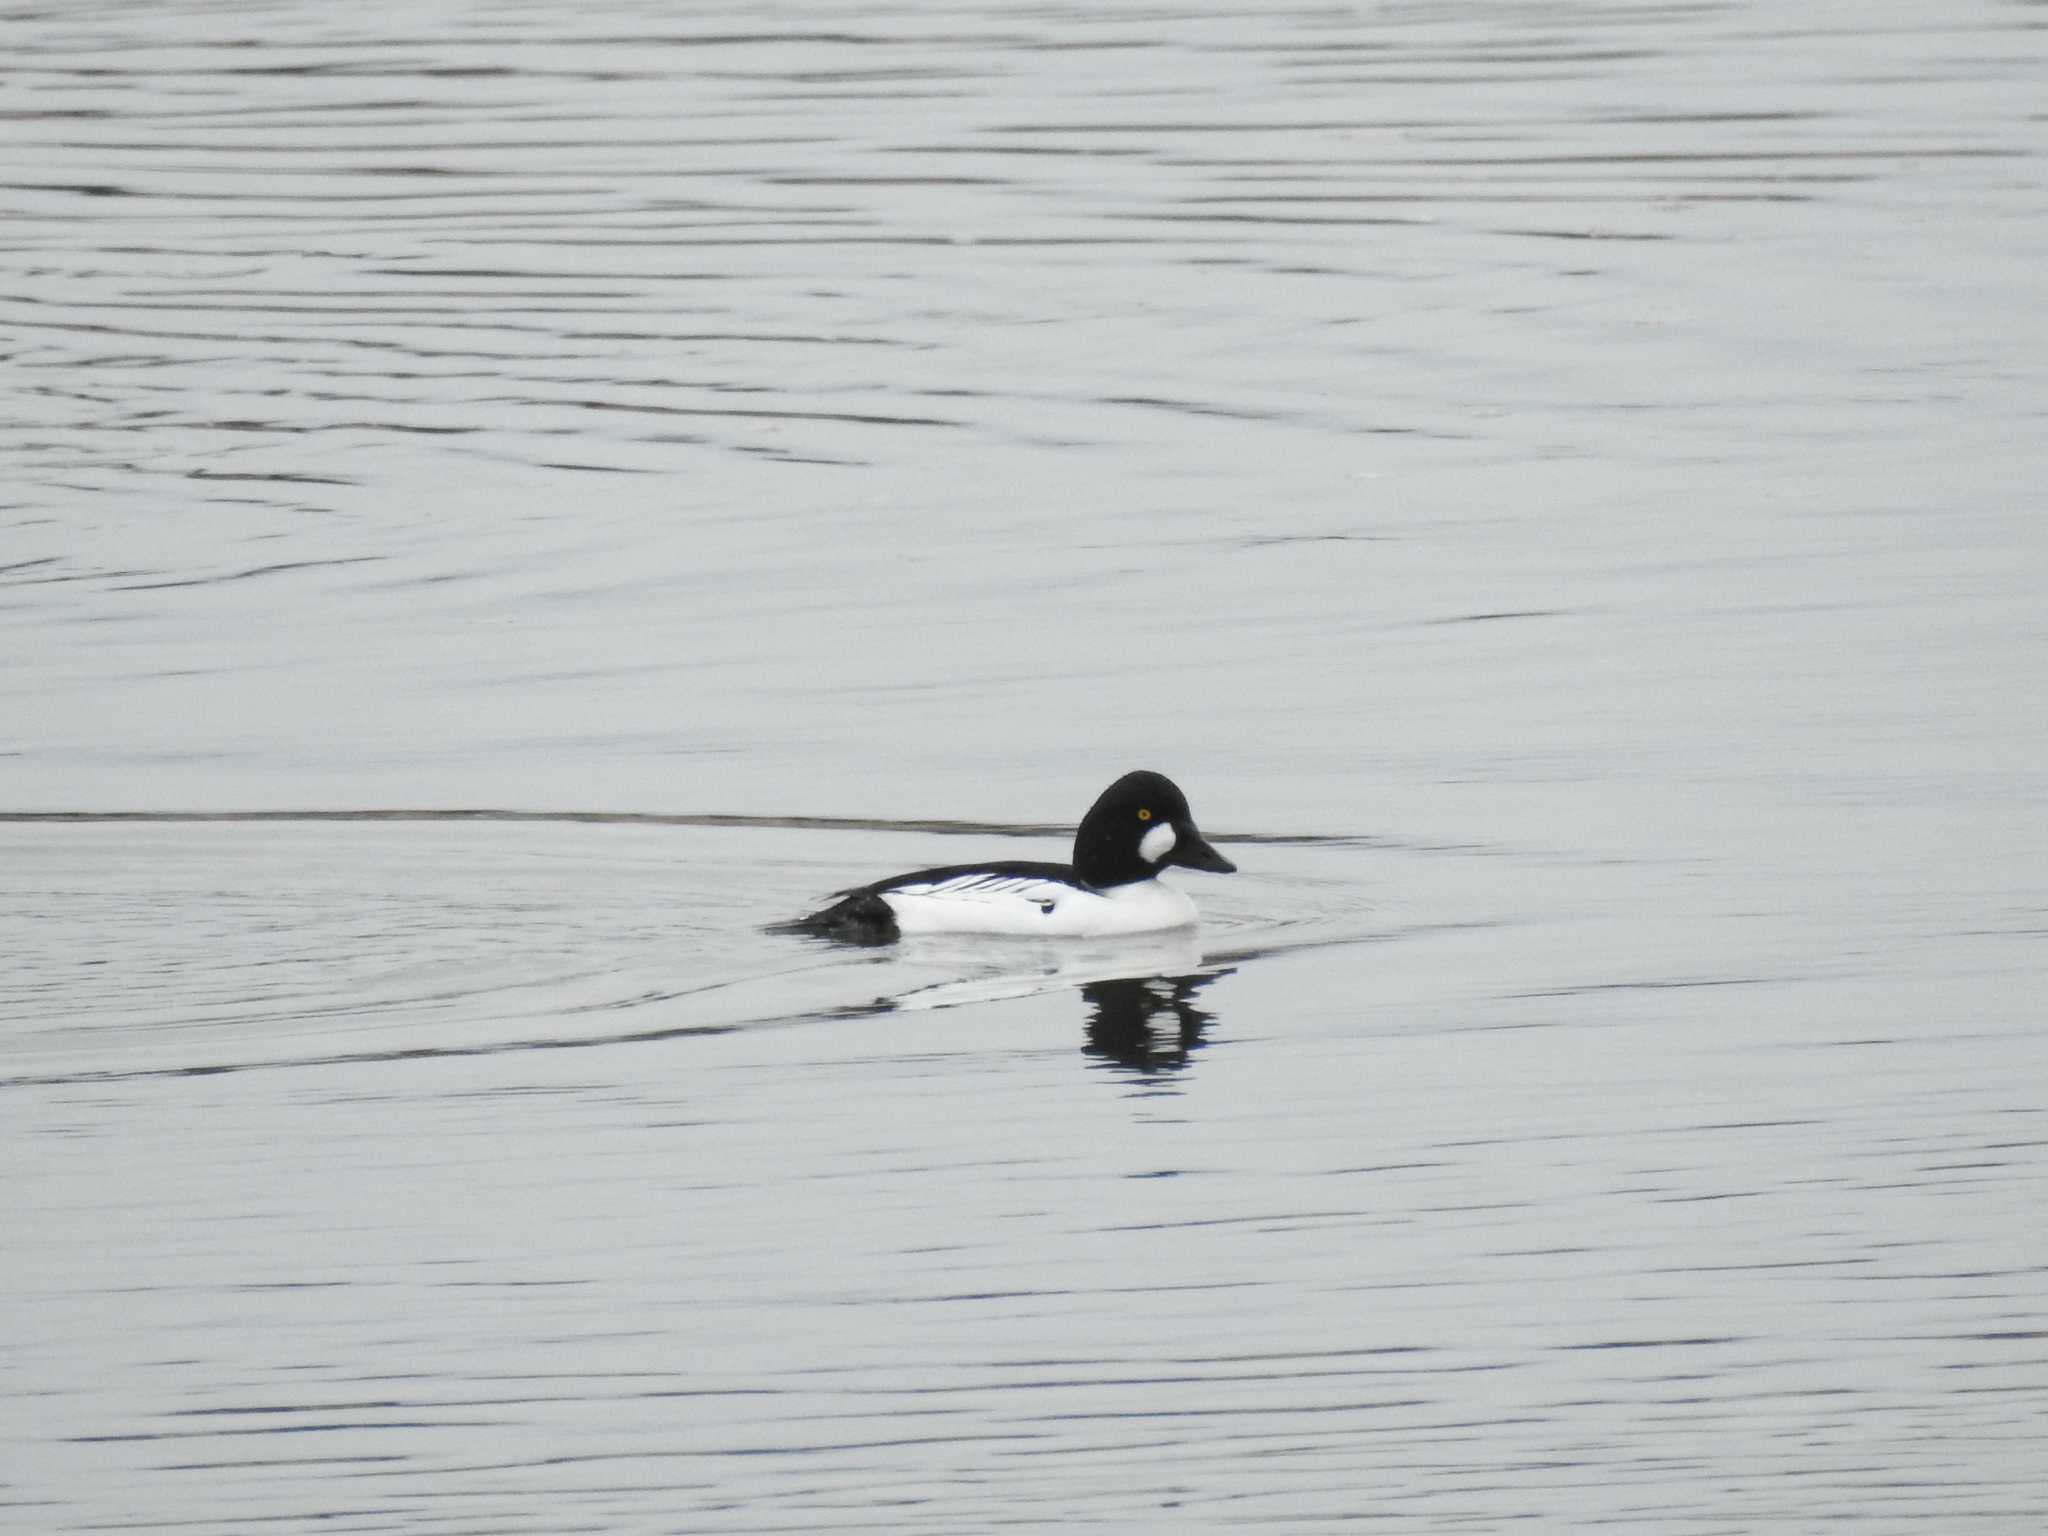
column 1560, row 486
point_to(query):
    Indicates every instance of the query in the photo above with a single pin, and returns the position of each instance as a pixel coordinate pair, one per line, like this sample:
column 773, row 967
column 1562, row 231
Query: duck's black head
column 1138, row 826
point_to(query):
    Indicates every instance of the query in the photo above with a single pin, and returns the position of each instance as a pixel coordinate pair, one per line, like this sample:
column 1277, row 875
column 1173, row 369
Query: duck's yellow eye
column 1144, row 815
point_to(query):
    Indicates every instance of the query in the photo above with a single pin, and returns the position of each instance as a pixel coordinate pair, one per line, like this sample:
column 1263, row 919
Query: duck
column 1137, row 827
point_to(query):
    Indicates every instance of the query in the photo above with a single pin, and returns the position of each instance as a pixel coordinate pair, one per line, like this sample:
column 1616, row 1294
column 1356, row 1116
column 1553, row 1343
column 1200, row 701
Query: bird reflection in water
column 1147, row 1024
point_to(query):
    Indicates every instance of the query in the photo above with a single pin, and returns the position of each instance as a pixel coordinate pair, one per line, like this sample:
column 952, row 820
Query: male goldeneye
column 1138, row 826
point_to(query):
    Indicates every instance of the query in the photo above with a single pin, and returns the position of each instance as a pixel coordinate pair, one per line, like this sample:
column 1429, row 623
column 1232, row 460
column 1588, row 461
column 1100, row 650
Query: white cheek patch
column 1158, row 843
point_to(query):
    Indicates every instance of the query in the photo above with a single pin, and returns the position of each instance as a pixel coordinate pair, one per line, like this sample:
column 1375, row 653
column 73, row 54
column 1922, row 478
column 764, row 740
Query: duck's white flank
column 1034, row 907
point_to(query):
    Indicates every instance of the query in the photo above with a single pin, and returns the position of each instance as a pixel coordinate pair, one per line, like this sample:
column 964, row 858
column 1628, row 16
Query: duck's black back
column 860, row 916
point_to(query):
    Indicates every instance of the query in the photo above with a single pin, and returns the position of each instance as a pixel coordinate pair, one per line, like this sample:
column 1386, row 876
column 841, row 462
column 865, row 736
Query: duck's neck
column 1103, row 861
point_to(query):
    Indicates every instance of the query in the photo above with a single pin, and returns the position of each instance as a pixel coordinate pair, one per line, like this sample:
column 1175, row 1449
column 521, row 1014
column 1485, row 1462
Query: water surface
column 1558, row 486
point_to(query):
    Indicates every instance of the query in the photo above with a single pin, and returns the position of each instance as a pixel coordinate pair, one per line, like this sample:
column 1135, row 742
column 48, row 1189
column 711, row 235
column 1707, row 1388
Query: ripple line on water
column 943, row 828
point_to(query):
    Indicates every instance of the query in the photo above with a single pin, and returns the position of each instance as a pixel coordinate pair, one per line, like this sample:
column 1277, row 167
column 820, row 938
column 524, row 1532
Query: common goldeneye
column 1138, row 826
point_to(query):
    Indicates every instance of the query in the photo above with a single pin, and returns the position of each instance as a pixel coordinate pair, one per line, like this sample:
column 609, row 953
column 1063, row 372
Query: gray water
column 1560, row 486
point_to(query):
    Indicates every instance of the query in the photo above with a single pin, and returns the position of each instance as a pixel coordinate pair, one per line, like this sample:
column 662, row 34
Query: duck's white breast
column 1028, row 905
